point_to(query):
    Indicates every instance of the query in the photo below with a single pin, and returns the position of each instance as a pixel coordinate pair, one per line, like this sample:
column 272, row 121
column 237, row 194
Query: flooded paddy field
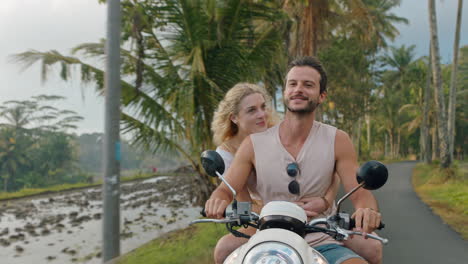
column 67, row 228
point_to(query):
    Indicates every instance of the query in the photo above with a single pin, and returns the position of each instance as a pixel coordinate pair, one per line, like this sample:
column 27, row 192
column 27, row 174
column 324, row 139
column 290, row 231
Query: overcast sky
column 62, row 24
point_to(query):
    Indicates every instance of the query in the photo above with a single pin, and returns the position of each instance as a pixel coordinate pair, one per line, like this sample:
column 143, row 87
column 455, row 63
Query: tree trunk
column 453, row 82
column 397, row 147
column 391, row 143
column 435, row 143
column 438, row 92
column 425, row 143
column 368, row 123
column 358, row 135
column 309, row 17
column 319, row 114
column 386, row 146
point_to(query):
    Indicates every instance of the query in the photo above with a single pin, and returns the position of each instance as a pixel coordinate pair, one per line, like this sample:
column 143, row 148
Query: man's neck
column 295, row 129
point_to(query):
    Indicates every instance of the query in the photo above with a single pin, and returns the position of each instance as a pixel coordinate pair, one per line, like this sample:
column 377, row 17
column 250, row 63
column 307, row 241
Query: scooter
column 282, row 226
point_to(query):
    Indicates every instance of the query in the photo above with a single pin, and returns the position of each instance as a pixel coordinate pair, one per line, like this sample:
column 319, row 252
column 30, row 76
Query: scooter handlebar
column 203, row 213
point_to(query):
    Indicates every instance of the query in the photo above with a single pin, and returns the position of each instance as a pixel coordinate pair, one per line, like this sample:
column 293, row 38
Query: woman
column 244, row 110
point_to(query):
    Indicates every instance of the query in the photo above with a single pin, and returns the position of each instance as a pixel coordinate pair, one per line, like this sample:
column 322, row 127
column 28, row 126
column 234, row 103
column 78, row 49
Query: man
column 316, row 149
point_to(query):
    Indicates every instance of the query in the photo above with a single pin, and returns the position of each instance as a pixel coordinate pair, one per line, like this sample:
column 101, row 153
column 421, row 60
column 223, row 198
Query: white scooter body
column 276, row 245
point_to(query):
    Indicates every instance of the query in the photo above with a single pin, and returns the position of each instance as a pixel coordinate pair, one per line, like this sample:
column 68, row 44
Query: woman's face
column 252, row 116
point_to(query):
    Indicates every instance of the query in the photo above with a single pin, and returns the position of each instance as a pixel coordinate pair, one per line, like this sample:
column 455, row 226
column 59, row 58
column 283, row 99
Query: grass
column 194, row 245
column 446, row 192
column 68, row 187
column 35, row 191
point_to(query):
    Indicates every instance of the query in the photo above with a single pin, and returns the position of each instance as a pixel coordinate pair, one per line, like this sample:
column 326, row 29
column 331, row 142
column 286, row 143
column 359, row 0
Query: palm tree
column 313, row 23
column 394, row 91
column 13, row 155
column 425, row 142
column 317, row 26
column 24, row 121
column 307, row 26
column 17, row 116
column 461, row 140
column 37, row 114
column 453, row 82
column 185, row 56
column 438, row 92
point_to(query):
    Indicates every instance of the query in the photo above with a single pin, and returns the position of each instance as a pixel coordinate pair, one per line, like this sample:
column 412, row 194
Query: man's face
column 302, row 92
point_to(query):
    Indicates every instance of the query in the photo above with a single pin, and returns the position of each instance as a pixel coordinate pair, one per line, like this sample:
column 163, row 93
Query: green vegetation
column 182, row 56
column 69, row 187
column 446, row 192
column 194, row 244
column 35, row 191
column 38, row 152
column 35, row 148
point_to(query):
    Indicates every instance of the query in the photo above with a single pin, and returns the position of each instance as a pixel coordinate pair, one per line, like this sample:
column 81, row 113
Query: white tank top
column 316, row 162
column 228, row 158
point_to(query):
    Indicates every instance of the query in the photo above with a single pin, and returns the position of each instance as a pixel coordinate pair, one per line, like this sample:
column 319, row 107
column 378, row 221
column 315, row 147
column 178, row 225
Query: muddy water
column 68, row 228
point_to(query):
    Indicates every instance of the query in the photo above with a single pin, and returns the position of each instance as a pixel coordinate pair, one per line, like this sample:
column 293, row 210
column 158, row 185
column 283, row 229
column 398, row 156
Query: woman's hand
column 313, row 206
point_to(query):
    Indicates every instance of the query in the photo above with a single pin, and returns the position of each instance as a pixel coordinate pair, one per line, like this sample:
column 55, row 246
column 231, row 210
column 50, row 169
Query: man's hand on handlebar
column 367, row 220
column 215, row 207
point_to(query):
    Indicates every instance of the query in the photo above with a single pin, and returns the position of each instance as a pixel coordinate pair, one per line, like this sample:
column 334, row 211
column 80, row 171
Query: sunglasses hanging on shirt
column 293, row 170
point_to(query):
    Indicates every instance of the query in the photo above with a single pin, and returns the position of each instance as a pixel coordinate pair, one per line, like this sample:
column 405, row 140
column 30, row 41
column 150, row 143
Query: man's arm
column 366, row 215
column 316, row 205
column 236, row 175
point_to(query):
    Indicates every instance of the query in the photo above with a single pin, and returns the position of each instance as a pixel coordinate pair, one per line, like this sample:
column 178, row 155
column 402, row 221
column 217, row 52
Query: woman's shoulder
column 224, row 153
column 227, row 157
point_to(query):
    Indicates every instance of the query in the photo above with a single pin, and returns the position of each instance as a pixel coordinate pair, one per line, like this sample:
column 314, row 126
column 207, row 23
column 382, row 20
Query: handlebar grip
column 352, row 224
column 203, row 213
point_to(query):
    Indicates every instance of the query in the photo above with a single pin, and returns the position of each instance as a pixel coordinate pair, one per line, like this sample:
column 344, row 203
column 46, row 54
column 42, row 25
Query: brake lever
column 219, row 221
column 381, row 239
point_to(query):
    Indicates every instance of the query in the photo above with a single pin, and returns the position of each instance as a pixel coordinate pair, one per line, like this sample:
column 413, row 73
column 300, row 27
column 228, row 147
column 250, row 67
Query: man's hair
column 313, row 63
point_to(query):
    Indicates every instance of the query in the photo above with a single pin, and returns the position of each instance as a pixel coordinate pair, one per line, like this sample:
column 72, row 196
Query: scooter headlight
column 272, row 252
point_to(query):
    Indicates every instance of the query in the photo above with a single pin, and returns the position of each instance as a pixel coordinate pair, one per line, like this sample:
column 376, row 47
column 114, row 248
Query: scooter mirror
column 212, row 162
column 374, row 175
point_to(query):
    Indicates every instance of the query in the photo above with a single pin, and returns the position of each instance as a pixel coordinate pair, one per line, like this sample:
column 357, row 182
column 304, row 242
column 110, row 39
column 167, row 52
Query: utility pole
column 111, row 166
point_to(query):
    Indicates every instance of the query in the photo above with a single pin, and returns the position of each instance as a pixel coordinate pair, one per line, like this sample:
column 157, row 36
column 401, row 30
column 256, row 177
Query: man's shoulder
column 324, row 125
column 341, row 133
column 326, row 129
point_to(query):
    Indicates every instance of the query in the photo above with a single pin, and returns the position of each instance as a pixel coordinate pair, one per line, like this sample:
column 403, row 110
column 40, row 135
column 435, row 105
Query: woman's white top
column 227, row 157
column 251, row 180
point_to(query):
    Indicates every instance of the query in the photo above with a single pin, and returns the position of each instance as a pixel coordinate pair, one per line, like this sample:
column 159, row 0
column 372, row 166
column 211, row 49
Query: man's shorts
column 336, row 254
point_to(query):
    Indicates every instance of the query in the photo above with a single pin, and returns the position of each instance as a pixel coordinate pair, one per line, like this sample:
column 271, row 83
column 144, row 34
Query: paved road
column 416, row 235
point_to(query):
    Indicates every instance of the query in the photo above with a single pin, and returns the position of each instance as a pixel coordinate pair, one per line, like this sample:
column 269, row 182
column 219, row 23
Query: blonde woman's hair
column 222, row 126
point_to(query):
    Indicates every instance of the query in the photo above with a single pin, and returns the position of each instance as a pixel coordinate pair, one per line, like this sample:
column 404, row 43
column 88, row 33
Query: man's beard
column 310, row 107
